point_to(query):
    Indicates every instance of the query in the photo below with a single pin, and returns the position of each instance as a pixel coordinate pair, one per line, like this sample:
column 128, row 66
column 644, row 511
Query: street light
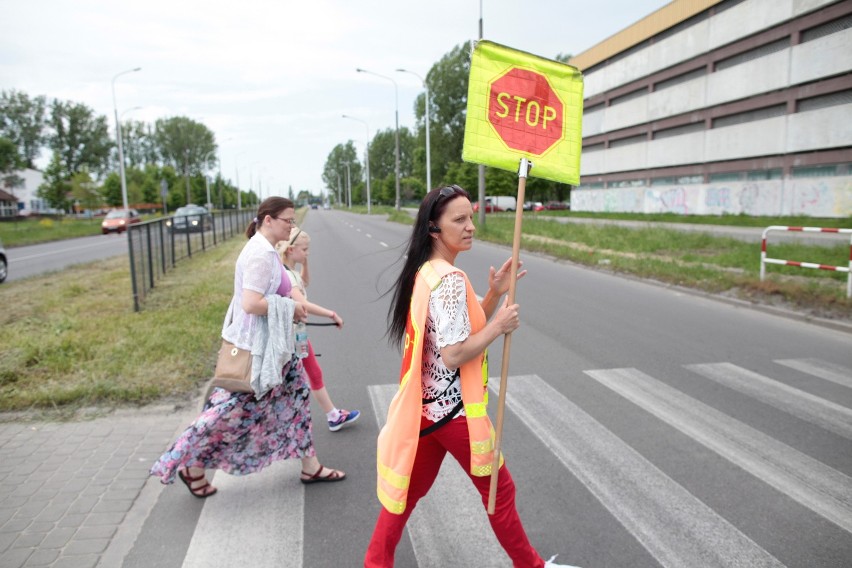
column 396, row 91
column 367, row 159
column 118, row 137
column 428, row 161
column 207, row 180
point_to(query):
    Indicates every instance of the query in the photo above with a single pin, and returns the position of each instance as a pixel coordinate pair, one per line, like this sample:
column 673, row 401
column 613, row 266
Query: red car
column 117, row 220
column 557, row 206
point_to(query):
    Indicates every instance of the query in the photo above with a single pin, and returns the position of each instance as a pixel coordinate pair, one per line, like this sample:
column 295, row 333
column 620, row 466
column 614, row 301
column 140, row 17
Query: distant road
column 38, row 259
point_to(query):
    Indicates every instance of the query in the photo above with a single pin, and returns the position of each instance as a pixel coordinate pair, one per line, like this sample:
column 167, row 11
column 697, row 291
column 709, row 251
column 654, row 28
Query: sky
column 272, row 78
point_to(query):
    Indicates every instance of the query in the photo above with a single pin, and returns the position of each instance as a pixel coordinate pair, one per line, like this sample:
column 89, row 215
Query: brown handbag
column 233, row 369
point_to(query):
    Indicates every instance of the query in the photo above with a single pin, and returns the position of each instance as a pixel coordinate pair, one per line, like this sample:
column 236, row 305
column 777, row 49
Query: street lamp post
column 118, row 138
column 366, row 156
column 428, row 159
column 396, row 92
column 209, row 204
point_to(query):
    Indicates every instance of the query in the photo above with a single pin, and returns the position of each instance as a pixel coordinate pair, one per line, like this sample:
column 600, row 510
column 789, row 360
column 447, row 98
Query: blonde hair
column 296, row 235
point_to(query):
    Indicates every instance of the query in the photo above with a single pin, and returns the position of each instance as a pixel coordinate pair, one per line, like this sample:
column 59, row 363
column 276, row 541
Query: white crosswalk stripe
column 824, row 490
column 816, row 410
column 675, row 527
column 265, row 509
column 834, row 373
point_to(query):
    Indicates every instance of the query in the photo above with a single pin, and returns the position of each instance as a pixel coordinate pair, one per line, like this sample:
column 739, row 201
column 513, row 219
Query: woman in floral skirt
column 236, row 432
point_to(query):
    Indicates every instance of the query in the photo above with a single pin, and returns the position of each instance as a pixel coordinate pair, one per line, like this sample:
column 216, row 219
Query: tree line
column 174, row 154
column 447, row 81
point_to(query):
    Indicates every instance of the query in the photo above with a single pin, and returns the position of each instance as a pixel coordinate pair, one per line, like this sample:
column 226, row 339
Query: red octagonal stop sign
column 525, row 111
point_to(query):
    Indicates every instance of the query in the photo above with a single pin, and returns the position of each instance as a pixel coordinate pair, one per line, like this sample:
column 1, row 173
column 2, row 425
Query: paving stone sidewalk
column 75, row 494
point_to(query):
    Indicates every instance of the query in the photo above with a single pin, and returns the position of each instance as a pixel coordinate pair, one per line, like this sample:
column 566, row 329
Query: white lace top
column 258, row 269
column 447, row 323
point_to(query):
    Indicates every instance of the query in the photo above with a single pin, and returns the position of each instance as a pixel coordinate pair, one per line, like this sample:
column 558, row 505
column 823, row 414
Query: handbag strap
column 429, row 429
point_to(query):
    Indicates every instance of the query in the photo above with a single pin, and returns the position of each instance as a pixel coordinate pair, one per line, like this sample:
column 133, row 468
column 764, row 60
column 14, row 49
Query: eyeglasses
column 448, row 191
column 291, row 221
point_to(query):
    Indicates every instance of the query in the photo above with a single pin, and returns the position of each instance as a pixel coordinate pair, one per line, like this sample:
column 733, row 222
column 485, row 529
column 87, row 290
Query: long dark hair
column 271, row 206
column 418, row 251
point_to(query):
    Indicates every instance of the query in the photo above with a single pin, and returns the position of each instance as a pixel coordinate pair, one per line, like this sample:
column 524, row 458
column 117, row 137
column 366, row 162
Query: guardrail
column 764, row 260
column 155, row 247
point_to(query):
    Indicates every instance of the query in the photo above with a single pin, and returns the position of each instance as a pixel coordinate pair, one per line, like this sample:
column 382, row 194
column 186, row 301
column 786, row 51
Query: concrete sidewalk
column 75, row 494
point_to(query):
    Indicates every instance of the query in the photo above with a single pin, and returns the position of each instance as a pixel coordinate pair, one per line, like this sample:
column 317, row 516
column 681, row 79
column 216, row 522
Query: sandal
column 200, row 491
column 335, row 475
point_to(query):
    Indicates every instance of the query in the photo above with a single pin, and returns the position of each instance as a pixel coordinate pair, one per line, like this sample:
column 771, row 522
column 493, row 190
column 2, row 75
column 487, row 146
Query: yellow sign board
column 523, row 106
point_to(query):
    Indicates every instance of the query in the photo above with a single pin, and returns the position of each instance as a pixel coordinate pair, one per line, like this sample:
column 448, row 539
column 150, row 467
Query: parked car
column 557, row 206
column 533, row 206
column 497, row 203
column 4, row 263
column 190, row 219
column 117, row 220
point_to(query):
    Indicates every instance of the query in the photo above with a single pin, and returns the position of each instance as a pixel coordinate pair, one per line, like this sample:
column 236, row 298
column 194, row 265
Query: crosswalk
column 674, row 526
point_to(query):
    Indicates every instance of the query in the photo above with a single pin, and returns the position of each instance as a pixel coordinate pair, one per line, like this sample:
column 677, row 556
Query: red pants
column 312, row 369
column 453, row 437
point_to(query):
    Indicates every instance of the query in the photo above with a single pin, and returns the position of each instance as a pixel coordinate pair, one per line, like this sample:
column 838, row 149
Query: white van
column 496, row 203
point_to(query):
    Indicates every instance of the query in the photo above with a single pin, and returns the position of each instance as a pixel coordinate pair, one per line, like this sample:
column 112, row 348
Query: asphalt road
column 33, row 260
column 645, row 427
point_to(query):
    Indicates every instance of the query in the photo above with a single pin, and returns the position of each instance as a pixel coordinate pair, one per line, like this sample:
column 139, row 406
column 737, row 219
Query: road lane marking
column 675, row 527
column 834, row 373
column 818, row 487
column 810, row 408
column 261, row 514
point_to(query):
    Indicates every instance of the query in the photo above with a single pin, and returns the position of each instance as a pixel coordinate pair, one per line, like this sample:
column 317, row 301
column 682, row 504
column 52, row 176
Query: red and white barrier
column 764, row 260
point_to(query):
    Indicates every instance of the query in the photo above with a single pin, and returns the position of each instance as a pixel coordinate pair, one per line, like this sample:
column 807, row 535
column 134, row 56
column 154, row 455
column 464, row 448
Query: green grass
column 33, row 231
column 76, row 341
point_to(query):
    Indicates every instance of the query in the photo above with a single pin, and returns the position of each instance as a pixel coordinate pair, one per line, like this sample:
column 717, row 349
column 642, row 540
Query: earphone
column 434, row 229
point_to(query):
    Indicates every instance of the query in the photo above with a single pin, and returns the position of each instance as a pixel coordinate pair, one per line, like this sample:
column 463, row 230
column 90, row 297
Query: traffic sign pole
column 523, row 171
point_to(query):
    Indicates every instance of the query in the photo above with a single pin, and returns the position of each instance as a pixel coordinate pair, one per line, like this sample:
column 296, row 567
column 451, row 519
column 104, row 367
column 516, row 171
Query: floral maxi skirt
column 240, row 435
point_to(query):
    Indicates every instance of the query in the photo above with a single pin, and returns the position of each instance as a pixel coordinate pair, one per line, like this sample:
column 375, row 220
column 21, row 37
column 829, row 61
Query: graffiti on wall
column 816, row 197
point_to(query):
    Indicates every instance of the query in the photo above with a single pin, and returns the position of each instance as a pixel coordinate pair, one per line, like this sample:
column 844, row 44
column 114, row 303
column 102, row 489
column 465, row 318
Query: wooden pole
column 507, row 339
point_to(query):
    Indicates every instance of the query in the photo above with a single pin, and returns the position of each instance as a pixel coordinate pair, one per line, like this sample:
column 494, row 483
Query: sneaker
column 346, row 417
column 551, row 564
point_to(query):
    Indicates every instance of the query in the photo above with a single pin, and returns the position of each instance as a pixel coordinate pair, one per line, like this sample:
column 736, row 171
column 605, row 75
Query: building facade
column 713, row 107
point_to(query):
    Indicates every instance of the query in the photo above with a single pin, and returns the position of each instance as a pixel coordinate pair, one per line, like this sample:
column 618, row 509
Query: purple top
column 286, row 286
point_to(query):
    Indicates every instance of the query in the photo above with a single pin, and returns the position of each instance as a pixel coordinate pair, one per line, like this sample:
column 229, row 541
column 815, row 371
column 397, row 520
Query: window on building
column 822, row 30
column 679, row 130
column 632, row 182
column 594, row 148
column 682, row 78
column 725, row 177
column 816, row 171
column 628, row 141
column 823, row 101
column 592, row 185
column 757, row 175
column 750, row 116
column 593, row 108
column 757, row 52
column 628, row 97
column 663, row 181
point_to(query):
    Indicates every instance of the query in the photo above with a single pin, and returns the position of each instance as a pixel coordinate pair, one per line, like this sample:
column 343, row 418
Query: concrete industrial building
column 711, row 107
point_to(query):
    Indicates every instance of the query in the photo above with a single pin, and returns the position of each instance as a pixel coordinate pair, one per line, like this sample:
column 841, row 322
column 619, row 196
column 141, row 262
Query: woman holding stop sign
column 440, row 406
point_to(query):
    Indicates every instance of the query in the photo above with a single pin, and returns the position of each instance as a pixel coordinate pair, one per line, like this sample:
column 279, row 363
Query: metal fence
column 155, row 247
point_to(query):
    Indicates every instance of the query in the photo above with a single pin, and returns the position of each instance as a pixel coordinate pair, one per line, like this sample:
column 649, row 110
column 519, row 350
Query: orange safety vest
column 397, row 444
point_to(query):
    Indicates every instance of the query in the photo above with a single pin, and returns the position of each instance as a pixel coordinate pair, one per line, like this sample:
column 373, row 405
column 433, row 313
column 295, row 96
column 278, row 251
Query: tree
column 10, row 162
column 334, row 171
column 447, row 81
column 187, row 145
column 84, row 192
column 80, row 140
column 22, row 120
